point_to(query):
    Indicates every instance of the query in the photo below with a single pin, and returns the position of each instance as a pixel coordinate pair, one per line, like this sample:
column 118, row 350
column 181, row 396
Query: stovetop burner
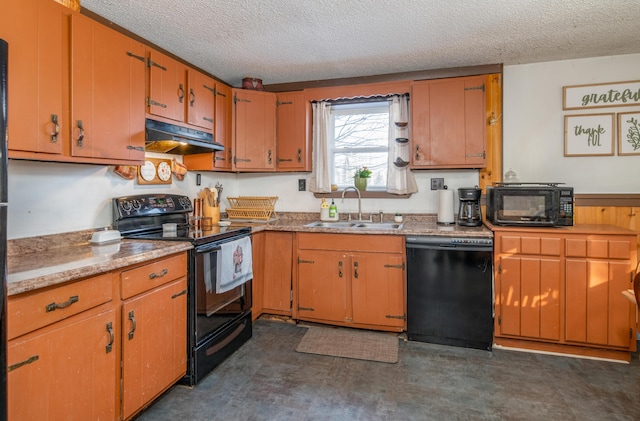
column 188, row 234
column 142, row 217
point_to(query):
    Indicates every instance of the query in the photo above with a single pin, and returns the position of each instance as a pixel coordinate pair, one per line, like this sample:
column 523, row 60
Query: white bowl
column 224, row 223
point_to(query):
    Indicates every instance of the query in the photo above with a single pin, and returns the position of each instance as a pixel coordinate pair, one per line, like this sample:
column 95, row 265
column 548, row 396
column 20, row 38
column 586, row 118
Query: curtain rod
column 359, row 100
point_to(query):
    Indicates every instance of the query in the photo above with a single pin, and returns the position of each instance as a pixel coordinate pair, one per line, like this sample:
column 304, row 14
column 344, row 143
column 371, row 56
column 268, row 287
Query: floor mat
column 350, row 343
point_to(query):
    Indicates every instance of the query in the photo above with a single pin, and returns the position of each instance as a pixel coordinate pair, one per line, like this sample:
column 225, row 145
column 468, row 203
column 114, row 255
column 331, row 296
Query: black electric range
column 218, row 323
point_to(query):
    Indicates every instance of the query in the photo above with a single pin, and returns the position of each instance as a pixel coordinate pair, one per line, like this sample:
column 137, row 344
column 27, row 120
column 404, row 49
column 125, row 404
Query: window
column 359, row 137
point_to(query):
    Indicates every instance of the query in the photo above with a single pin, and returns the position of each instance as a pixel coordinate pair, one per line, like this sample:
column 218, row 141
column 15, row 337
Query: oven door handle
column 208, row 248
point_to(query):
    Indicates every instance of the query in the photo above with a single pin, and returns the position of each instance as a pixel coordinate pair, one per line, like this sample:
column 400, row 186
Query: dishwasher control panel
column 444, row 241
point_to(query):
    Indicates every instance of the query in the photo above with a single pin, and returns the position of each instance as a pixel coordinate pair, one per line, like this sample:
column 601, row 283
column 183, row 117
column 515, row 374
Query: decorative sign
column 155, row 171
column 616, row 94
column 588, row 134
column 629, row 133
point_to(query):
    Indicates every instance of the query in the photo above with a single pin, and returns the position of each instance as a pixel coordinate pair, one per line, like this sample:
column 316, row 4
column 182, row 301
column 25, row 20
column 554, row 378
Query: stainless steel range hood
column 178, row 140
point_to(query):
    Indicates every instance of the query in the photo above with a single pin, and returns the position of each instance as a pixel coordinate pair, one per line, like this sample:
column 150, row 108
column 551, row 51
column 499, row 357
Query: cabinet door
column 529, row 297
column 448, row 121
column 154, row 344
column 596, row 311
column 200, row 100
column 222, row 124
column 277, row 274
column 68, row 370
column 292, row 139
column 377, row 285
column 255, row 130
column 322, row 285
column 107, row 92
column 34, row 30
column 221, row 160
column 167, row 87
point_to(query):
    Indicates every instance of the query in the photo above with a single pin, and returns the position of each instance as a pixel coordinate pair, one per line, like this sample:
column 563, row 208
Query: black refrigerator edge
column 3, row 227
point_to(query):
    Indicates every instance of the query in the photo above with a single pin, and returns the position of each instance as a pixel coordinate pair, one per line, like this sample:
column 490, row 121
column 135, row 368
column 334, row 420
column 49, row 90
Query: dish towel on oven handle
column 234, row 264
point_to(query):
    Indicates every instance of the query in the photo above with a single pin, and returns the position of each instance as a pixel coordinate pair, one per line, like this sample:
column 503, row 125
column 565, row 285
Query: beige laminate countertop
column 31, row 266
column 40, row 262
column 409, row 227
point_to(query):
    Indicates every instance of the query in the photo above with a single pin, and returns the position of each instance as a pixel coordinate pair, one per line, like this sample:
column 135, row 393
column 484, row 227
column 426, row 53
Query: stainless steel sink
column 355, row 225
column 379, row 225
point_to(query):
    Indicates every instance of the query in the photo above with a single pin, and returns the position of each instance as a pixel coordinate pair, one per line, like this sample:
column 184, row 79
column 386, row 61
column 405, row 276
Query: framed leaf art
column 629, row 133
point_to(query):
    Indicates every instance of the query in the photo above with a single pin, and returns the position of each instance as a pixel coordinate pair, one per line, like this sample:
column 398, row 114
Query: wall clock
column 155, row 171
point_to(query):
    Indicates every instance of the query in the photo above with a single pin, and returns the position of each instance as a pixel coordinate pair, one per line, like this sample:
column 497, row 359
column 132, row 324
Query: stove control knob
column 126, row 206
column 136, row 204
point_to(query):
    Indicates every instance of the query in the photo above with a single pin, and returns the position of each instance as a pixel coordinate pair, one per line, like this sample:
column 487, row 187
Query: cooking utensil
column 219, row 189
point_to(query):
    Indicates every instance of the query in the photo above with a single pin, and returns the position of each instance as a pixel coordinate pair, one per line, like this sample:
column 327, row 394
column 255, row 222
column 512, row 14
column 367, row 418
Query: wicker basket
column 252, row 207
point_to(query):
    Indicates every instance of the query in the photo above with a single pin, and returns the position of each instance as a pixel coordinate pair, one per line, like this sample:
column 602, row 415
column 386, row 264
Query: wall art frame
column 600, row 95
column 589, row 134
column 629, row 133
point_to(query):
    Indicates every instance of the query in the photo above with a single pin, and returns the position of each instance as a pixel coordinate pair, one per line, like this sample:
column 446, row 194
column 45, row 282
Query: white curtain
column 321, row 175
column 400, row 179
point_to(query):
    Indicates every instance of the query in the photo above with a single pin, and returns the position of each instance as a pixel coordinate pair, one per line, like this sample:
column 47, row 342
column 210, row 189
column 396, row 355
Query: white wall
column 285, row 186
column 533, row 126
column 49, row 198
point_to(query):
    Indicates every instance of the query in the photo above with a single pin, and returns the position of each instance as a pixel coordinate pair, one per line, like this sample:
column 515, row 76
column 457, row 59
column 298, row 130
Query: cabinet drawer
column 30, row 311
column 351, row 242
column 535, row 245
column 144, row 278
column 600, row 248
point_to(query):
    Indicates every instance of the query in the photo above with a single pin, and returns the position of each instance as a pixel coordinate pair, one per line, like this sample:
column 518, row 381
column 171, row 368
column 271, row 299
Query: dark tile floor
column 267, row 380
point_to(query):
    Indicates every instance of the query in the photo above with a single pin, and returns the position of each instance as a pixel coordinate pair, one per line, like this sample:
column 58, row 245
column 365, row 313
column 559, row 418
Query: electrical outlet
column 302, row 184
column 437, row 183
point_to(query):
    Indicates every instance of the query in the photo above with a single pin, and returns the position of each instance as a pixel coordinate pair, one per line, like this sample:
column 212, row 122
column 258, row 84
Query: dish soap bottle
column 324, row 210
column 333, row 211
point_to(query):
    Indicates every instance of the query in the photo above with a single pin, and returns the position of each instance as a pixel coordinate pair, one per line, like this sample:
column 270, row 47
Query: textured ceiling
column 282, row 41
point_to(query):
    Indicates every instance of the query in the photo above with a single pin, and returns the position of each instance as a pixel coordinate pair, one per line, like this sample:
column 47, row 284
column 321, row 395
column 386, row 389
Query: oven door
column 215, row 311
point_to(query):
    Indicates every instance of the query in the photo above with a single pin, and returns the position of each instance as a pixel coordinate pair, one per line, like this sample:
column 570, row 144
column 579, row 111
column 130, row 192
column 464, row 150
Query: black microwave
column 530, row 204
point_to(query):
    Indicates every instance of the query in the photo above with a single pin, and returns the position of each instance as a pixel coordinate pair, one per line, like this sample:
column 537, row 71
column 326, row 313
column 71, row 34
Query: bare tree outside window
column 361, row 133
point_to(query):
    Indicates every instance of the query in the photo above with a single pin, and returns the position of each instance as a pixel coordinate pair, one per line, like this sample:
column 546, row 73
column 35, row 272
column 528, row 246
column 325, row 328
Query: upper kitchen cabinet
column 200, row 100
column 222, row 126
column 35, row 31
column 167, row 87
column 449, row 123
column 107, row 92
column 179, row 93
column 220, row 160
column 254, row 131
column 293, row 152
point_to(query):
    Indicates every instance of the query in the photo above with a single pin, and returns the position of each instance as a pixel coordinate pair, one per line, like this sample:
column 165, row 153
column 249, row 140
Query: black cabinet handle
column 53, row 306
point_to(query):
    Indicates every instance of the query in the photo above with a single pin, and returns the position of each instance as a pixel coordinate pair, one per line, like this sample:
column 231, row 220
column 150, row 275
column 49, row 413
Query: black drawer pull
column 183, row 292
column 25, row 362
column 158, row 275
column 53, row 306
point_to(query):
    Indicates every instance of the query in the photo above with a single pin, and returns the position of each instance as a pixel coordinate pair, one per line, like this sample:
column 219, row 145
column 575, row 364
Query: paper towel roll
column 445, row 207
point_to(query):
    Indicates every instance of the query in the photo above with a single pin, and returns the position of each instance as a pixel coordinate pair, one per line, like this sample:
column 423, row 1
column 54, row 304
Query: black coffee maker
column 469, row 213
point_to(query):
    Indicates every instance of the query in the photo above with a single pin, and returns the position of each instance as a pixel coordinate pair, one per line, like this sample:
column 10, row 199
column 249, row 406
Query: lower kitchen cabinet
column 351, row 280
column 562, row 290
column 63, row 353
column 75, row 352
column 529, row 279
column 154, row 332
column 597, row 270
column 278, row 257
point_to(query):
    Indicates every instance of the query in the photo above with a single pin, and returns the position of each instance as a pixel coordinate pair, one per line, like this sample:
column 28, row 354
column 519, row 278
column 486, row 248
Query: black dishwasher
column 450, row 290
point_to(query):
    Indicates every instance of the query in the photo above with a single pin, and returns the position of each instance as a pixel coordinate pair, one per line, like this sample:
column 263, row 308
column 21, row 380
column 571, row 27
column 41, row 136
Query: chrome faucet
column 359, row 201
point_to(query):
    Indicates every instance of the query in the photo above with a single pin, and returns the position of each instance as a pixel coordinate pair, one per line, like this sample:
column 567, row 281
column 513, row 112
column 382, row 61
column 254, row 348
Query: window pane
column 360, row 140
column 347, row 163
